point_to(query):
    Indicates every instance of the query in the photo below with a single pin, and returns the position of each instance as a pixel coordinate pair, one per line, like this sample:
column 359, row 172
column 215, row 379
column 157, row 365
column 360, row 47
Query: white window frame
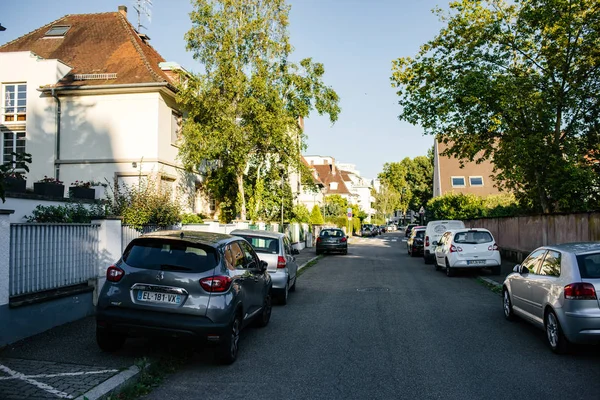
column 15, row 114
column 14, row 144
column 458, row 186
column 471, row 182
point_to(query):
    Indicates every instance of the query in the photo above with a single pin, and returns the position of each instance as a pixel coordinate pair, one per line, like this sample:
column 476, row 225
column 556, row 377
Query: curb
column 490, row 282
column 309, row 261
column 112, row 384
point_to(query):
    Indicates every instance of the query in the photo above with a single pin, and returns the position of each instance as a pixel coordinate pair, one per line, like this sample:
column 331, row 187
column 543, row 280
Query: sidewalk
column 66, row 363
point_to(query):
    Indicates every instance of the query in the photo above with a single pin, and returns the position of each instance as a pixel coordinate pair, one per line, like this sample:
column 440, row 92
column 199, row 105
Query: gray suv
column 184, row 284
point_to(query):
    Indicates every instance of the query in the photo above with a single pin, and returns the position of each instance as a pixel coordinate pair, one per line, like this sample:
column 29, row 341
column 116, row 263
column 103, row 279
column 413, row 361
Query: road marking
column 35, row 383
column 106, row 371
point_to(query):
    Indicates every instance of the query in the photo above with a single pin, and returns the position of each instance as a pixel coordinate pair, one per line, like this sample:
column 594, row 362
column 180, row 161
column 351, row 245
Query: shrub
column 191, row 219
column 70, row 213
column 316, row 218
column 300, row 213
column 469, row 206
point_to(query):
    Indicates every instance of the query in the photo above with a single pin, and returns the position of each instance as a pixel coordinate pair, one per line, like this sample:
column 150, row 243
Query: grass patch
column 310, row 264
column 494, row 288
column 151, row 375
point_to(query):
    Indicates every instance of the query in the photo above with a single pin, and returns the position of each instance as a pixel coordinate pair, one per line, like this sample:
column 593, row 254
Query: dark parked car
column 367, row 230
column 415, row 241
column 408, row 229
column 331, row 239
column 184, row 284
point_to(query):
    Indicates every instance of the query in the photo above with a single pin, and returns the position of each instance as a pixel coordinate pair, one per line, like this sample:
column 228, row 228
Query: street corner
column 33, row 379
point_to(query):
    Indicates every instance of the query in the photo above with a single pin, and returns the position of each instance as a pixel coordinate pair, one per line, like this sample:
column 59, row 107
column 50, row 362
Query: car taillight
column 427, row 241
column 114, row 274
column 454, row 249
column 318, row 239
column 580, row 291
column 494, row 247
column 216, row 284
column 281, row 262
column 343, row 239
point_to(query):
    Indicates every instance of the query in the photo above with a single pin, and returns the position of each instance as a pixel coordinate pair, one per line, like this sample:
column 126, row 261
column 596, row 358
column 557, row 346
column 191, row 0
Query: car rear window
column 331, row 233
column 473, row 237
column 263, row 244
column 170, row 255
column 589, row 265
column 420, row 234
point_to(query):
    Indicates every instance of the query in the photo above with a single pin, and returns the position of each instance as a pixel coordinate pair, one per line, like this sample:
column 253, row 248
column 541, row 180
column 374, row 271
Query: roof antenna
column 142, row 7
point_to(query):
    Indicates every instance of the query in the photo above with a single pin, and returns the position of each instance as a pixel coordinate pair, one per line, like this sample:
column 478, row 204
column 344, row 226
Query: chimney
column 123, row 10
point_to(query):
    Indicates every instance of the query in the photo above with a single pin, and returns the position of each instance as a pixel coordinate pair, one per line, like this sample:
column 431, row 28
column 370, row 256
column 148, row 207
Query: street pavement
column 373, row 324
column 378, row 324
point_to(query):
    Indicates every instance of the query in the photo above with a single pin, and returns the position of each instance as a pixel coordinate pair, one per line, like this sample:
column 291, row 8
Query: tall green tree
column 243, row 109
column 387, row 200
column 419, row 175
column 517, row 82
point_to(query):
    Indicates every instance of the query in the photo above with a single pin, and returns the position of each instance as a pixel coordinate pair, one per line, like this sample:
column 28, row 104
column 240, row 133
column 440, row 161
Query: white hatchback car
column 467, row 248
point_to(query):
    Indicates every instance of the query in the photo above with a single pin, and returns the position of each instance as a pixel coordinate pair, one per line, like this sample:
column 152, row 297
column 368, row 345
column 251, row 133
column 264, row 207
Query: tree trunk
column 542, row 194
column 257, row 193
column 240, row 183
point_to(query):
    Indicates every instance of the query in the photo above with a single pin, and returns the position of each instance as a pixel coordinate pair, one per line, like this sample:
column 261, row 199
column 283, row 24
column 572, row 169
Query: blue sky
column 355, row 39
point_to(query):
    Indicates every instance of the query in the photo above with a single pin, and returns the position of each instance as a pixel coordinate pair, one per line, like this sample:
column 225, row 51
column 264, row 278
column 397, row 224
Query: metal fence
column 128, row 232
column 50, row 256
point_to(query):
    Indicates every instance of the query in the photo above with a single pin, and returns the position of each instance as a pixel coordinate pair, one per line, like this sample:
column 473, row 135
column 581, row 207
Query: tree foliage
column 316, row 218
column 300, row 213
column 469, row 206
column 387, row 200
column 243, row 110
column 517, row 83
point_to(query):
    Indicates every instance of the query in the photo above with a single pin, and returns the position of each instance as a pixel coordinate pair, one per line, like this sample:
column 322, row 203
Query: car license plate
column 475, row 262
column 157, row 297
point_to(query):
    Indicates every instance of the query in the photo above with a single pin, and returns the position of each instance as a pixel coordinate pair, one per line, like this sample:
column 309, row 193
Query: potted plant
column 50, row 187
column 15, row 183
column 12, row 178
column 82, row 190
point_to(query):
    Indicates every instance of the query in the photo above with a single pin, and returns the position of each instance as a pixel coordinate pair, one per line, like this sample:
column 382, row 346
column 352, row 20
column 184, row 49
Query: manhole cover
column 373, row 289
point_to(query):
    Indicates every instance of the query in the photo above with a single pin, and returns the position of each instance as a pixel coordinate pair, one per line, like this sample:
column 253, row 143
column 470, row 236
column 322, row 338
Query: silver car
column 555, row 288
column 274, row 248
column 184, row 284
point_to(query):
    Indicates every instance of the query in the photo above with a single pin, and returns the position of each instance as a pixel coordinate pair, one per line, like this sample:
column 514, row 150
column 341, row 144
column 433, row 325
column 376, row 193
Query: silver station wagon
column 556, row 288
column 184, row 284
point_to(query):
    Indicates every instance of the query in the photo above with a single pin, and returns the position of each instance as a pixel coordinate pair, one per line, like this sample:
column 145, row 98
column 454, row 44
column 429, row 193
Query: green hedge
column 469, row 206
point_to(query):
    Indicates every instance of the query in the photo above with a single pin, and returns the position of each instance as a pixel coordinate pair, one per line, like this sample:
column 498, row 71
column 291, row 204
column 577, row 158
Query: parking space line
column 106, row 371
column 35, row 383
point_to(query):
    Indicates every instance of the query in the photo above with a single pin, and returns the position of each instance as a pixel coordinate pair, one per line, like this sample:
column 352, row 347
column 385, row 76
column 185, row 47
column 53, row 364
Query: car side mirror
column 517, row 269
column 434, row 243
column 295, row 251
column 263, row 266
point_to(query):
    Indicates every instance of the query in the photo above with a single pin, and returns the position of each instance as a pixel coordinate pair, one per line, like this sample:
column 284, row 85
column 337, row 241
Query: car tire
column 109, row 341
column 450, row 272
column 283, row 297
column 265, row 315
column 496, row 270
column 554, row 335
column 293, row 287
column 230, row 347
column 509, row 314
column 345, row 252
column 435, row 264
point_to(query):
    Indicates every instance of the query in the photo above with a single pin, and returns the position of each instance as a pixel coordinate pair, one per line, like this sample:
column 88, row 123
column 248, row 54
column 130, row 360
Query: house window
column 176, row 125
column 333, row 186
column 476, row 180
column 14, row 104
column 12, row 142
column 57, row 31
column 212, row 204
column 458, row 181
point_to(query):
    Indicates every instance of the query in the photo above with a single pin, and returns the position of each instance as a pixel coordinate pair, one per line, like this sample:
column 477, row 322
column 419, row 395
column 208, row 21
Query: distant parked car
column 408, row 229
column 433, row 232
column 184, row 284
column 467, row 249
column 332, row 240
column 556, row 289
column 276, row 249
column 367, row 231
column 414, row 243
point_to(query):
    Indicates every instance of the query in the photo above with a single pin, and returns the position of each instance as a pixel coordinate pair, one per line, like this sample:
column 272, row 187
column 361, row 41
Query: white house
column 90, row 99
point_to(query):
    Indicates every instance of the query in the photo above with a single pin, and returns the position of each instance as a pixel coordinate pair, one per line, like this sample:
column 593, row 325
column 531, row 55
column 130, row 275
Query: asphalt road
column 377, row 324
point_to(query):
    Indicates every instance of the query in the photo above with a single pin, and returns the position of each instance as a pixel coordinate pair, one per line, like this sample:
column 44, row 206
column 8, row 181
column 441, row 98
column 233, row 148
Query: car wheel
column 435, row 263
column 319, row 252
column 496, row 270
column 449, row 271
column 109, row 341
column 345, row 252
column 265, row 315
column 230, row 346
column 554, row 334
column 507, row 305
column 283, row 297
column 293, row 287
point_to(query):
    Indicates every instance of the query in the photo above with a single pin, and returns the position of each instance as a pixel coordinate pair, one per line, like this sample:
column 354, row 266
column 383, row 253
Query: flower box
column 82, row 193
column 49, row 189
column 15, row 185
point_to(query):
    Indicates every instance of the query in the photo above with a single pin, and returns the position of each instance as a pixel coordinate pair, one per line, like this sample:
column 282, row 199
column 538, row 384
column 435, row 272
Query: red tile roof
column 329, row 173
column 104, row 43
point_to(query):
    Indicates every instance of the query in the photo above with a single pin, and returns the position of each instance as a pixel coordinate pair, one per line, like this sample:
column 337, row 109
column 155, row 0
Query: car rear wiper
column 169, row 267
